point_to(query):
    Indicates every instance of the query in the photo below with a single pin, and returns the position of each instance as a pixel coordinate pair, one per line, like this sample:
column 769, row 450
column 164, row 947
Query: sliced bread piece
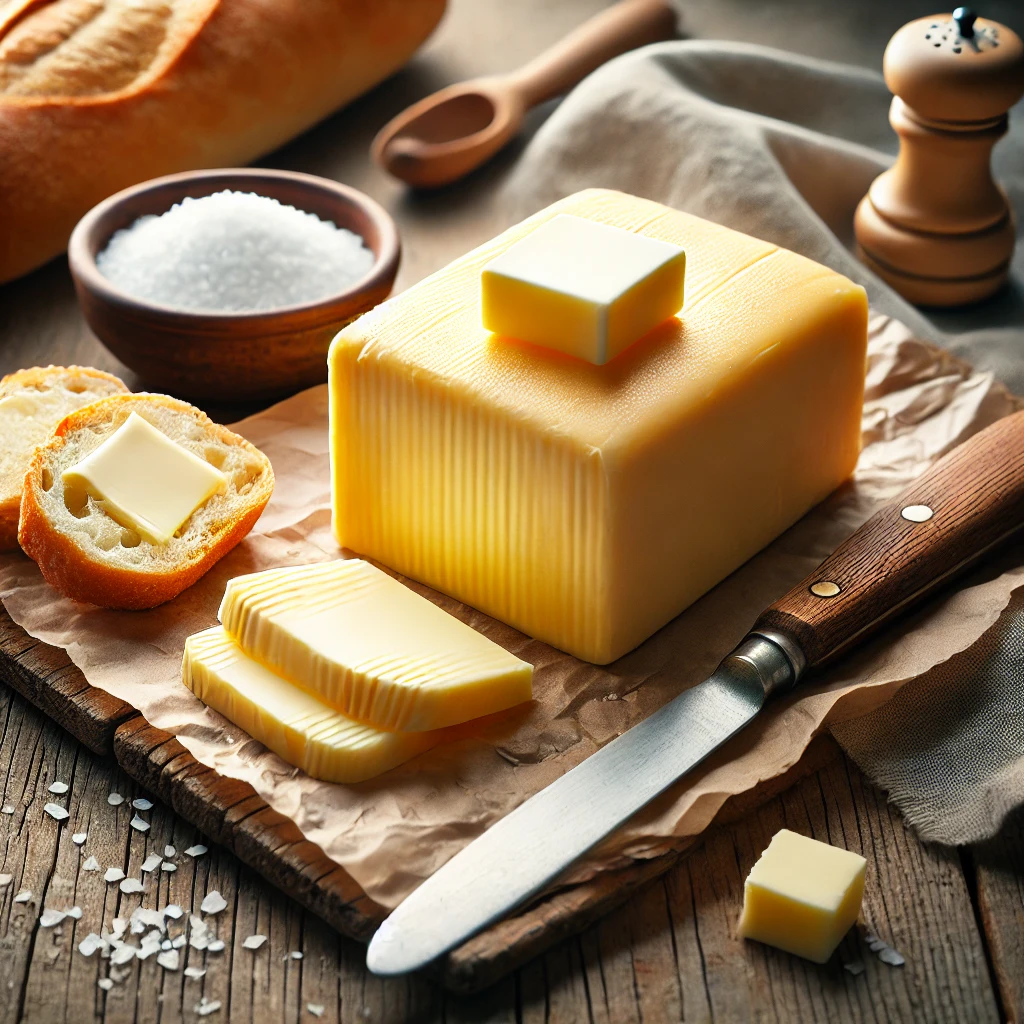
column 88, row 556
column 32, row 403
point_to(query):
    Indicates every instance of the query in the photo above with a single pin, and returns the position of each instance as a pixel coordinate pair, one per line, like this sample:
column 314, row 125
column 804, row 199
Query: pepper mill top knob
column 956, row 67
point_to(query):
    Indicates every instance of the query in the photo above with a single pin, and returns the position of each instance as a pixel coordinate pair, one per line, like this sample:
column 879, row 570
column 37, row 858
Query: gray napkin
column 784, row 147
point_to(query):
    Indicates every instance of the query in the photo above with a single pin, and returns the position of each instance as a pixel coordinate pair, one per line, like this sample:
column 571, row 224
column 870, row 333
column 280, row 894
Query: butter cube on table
column 802, row 896
column 371, row 647
column 588, row 505
column 582, row 287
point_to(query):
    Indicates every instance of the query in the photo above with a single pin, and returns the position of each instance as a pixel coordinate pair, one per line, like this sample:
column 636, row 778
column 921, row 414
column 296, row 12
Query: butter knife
column 963, row 506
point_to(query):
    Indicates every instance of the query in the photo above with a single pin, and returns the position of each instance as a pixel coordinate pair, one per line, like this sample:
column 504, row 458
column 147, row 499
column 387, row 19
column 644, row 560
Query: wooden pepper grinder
column 936, row 226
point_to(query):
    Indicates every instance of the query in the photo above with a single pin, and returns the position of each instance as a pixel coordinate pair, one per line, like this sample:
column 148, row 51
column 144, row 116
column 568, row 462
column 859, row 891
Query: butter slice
column 588, row 505
column 371, row 647
column 294, row 724
column 146, row 481
column 584, row 288
column 802, row 896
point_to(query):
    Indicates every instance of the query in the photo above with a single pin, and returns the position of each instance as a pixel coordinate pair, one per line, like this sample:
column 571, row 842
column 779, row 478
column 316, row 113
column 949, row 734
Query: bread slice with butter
column 83, row 538
column 32, row 403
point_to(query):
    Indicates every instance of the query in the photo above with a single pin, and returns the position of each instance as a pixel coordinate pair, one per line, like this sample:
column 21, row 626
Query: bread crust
column 246, row 76
column 76, row 573
column 39, row 378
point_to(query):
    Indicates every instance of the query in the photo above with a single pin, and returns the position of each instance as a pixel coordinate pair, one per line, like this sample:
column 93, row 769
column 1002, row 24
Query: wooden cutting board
column 231, row 813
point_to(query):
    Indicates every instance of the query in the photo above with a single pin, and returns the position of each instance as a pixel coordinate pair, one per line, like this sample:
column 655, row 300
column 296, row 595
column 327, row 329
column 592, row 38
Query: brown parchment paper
column 392, row 832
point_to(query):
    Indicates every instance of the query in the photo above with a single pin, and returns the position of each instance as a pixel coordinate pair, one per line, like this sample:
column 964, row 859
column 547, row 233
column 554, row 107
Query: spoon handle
column 622, row 27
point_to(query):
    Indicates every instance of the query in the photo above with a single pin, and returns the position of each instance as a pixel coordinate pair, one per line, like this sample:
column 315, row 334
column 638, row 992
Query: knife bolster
column 766, row 659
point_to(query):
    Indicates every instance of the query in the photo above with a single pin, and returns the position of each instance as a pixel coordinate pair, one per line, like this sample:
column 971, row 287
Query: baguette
column 36, row 401
column 87, row 556
column 97, row 95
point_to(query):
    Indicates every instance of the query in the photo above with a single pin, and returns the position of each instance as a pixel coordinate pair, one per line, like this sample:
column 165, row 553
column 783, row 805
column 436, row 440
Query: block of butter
column 802, row 896
column 589, row 505
column 145, row 481
column 582, row 287
column 371, row 647
column 294, row 724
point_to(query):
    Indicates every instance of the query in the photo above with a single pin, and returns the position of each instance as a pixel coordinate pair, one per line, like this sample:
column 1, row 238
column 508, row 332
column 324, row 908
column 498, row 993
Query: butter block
column 144, row 480
column 589, row 505
column 371, row 647
column 294, row 724
column 802, row 896
column 582, row 287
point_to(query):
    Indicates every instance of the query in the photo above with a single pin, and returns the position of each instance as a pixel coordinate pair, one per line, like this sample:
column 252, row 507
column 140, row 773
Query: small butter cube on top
column 582, row 287
column 145, row 481
column 802, row 896
column 370, row 647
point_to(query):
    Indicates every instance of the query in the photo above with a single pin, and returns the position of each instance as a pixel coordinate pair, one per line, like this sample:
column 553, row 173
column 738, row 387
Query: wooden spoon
column 445, row 136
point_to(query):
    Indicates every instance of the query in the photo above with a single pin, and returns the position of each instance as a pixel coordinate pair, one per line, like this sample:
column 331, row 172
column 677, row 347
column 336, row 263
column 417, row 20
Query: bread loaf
column 32, row 403
column 96, row 95
column 87, row 555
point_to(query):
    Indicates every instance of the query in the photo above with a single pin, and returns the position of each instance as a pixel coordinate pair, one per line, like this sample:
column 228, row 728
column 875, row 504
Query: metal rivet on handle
column 825, row 589
column 917, row 513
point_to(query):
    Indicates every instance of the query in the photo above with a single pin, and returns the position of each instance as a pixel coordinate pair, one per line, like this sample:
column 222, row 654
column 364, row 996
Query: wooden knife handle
column 966, row 504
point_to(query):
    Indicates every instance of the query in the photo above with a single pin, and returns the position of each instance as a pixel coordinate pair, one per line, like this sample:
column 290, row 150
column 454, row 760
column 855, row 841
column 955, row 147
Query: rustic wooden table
column 669, row 954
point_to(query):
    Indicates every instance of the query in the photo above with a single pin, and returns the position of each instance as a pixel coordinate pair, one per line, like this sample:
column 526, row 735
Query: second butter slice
column 370, row 647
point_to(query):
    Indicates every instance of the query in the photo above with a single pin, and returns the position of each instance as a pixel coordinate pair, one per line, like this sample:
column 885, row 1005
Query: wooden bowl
column 229, row 356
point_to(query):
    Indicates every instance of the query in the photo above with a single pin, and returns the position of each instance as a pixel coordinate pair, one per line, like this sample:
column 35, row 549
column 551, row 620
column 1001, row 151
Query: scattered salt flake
column 120, row 926
column 169, row 851
column 139, row 825
column 113, row 875
column 90, row 944
column 7, row 809
column 891, row 957
column 168, row 959
column 49, row 918
column 5, row 880
column 166, row 944
column 173, row 911
column 79, row 837
column 317, row 1009
column 144, row 918
column 855, row 967
column 150, row 944
column 254, row 941
column 24, row 896
column 178, row 941
column 198, row 925
column 130, row 885
column 58, row 787
column 204, row 1008
column 196, row 851
column 197, row 941
column 123, row 954
column 194, row 972
column 56, row 812
column 213, row 902
column 75, row 913
column 106, row 984
column 90, row 864
column 140, row 803
column 168, row 866
column 115, row 799
column 215, row 946
column 296, row 954
column 152, row 862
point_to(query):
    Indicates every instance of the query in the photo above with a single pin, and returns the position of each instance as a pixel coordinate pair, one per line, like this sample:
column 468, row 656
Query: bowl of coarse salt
column 230, row 284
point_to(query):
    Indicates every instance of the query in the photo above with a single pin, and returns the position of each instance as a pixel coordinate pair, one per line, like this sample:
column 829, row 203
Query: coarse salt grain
column 234, row 252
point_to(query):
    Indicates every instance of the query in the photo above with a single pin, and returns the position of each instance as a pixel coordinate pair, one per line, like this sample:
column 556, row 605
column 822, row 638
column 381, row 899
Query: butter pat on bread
column 32, row 403
column 88, row 555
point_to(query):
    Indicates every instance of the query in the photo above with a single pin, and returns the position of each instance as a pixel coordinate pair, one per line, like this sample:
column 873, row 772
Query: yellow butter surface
column 371, row 647
column 589, row 505
column 582, row 287
column 802, row 896
column 145, row 481
column 294, row 724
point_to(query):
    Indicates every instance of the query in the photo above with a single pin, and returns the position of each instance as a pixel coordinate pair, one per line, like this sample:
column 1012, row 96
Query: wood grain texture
column 976, row 495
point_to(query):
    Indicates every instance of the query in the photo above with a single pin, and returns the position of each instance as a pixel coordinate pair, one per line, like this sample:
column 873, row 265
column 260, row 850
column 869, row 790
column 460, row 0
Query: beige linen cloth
column 392, row 832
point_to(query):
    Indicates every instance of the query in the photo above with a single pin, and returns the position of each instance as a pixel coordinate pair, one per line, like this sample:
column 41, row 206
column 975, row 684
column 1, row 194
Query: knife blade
column 963, row 506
